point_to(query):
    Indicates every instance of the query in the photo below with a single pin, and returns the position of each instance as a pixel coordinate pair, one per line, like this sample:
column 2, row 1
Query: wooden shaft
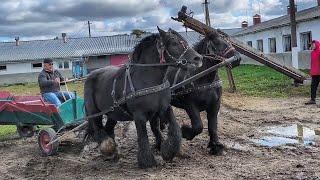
column 68, row 133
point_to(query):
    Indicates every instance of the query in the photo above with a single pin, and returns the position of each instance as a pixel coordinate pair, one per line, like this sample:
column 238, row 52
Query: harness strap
column 113, row 92
column 160, row 48
column 129, row 78
column 143, row 92
column 153, row 65
column 202, row 87
column 176, row 76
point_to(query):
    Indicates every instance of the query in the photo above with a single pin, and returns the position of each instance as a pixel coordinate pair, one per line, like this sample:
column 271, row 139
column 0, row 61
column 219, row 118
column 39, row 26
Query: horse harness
column 149, row 90
column 206, row 86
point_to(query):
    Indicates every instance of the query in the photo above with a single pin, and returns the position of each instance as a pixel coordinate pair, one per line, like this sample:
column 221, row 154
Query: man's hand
column 57, row 80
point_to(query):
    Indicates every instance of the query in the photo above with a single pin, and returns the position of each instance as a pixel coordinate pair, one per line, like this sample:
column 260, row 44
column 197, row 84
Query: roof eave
column 274, row 27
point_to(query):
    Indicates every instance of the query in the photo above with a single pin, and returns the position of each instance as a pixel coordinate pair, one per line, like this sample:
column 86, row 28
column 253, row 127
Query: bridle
column 181, row 60
column 220, row 56
column 162, row 50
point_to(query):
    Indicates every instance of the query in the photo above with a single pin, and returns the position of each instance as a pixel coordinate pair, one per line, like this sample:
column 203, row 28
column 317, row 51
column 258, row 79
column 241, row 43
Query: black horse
column 139, row 91
column 203, row 94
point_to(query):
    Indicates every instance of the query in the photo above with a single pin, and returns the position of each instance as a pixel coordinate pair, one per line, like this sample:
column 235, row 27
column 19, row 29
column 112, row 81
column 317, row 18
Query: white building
column 274, row 36
column 21, row 61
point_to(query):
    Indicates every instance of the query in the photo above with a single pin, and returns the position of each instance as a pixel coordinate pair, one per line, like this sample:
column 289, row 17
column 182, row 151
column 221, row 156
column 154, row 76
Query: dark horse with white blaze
column 139, row 91
column 203, row 94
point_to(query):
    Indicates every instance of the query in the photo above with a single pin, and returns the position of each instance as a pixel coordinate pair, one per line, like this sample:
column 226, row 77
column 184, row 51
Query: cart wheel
column 26, row 130
column 45, row 136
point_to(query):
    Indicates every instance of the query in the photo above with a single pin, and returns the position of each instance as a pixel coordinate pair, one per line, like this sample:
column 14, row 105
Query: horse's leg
column 109, row 127
column 145, row 156
column 171, row 146
column 96, row 129
column 108, row 146
column 197, row 126
column 216, row 148
column 155, row 127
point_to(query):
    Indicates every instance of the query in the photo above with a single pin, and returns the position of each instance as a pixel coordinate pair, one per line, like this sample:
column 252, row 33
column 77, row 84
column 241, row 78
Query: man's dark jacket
column 47, row 83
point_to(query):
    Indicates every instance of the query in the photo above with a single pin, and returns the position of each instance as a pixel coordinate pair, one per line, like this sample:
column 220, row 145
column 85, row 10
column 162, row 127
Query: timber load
column 248, row 51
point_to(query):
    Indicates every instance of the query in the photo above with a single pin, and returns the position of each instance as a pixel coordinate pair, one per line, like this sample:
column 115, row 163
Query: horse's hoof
column 216, row 149
column 147, row 161
column 108, row 147
column 187, row 132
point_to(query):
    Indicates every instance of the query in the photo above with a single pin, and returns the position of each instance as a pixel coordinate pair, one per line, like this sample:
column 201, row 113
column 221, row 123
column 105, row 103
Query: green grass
column 250, row 80
column 6, row 131
column 262, row 81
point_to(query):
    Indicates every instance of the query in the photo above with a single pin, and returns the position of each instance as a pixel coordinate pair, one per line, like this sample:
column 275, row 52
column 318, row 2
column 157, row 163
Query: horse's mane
column 145, row 42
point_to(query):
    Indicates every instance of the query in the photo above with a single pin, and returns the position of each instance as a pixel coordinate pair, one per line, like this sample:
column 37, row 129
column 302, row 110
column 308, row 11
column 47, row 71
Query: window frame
column 5, row 69
column 64, row 64
column 249, row 43
column 260, row 40
column 301, row 40
column 284, row 43
column 60, row 63
column 33, row 65
column 275, row 45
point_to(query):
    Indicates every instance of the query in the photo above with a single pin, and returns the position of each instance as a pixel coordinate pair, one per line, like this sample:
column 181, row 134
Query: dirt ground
column 241, row 119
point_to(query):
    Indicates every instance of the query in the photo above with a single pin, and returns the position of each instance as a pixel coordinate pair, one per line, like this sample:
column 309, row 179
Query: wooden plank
column 269, row 61
column 232, row 86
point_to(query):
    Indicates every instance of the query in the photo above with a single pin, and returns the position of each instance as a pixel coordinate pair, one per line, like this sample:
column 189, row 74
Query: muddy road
column 264, row 138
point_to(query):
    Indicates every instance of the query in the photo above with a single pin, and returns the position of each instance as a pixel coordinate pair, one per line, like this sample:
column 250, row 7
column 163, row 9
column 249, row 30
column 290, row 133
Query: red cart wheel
column 26, row 130
column 46, row 136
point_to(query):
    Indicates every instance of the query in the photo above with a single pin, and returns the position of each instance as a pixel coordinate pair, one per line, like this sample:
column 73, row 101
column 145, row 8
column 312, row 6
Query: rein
column 181, row 61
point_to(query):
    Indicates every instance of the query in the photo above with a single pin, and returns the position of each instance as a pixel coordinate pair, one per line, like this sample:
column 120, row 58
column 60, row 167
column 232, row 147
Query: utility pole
column 206, row 12
column 293, row 23
column 89, row 28
column 294, row 48
column 228, row 69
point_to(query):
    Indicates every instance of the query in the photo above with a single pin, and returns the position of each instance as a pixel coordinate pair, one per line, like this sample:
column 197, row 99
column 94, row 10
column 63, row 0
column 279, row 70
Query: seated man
column 49, row 83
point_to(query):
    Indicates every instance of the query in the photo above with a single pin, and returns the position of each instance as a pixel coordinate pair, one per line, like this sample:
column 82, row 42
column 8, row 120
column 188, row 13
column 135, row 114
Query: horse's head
column 174, row 48
column 213, row 44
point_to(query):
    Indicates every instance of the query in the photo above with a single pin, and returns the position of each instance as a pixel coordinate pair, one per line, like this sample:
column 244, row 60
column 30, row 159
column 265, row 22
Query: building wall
column 95, row 62
column 278, row 33
column 118, row 59
column 26, row 67
column 284, row 59
column 27, row 77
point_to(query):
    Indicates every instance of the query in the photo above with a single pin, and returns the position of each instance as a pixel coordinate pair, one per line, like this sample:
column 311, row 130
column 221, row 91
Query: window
column 60, row 65
column 63, row 65
column 66, row 64
column 249, row 43
column 272, row 45
column 3, row 67
column 36, row 65
column 287, row 43
column 260, row 45
column 305, row 39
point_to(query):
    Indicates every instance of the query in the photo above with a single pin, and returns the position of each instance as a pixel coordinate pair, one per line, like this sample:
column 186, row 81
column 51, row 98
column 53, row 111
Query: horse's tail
column 171, row 146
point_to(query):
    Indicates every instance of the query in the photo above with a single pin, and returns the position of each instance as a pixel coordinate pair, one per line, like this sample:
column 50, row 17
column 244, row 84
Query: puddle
column 285, row 135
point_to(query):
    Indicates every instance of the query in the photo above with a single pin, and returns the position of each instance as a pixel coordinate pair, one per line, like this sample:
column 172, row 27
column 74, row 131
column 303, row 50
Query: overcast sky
column 43, row 19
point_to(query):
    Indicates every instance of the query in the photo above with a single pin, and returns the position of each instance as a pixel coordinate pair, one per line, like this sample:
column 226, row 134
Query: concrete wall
column 27, row 77
column 284, row 59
